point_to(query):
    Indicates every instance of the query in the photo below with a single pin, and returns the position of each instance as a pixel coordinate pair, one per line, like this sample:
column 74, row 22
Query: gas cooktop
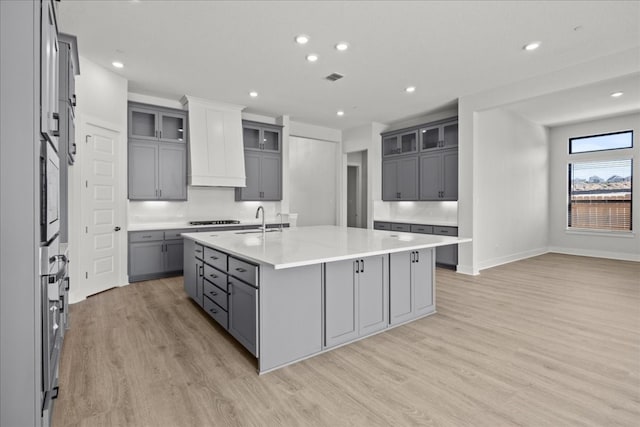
column 215, row 221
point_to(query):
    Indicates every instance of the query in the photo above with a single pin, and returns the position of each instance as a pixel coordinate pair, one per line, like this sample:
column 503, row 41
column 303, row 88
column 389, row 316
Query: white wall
column 102, row 96
column 469, row 107
column 610, row 245
column 511, row 188
column 312, row 169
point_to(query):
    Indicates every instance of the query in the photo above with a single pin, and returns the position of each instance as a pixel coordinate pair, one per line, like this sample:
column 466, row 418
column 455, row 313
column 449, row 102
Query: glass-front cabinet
column 156, row 124
column 397, row 144
column 439, row 136
column 261, row 137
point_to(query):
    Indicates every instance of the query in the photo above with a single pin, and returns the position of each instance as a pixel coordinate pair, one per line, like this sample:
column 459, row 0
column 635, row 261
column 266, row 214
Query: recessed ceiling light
column 117, row 64
column 312, row 57
column 253, row 94
column 410, row 89
column 532, row 46
column 617, row 94
column 342, row 46
column 302, row 39
column 340, row 113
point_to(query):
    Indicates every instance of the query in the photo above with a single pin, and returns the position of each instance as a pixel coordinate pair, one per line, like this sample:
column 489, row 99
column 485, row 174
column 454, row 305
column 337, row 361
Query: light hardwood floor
column 549, row 341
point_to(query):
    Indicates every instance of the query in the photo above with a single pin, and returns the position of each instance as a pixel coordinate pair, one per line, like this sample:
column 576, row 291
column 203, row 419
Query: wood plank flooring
column 549, row 341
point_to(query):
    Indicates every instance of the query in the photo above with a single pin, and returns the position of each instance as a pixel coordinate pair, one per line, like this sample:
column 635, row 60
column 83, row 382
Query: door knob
column 116, row 229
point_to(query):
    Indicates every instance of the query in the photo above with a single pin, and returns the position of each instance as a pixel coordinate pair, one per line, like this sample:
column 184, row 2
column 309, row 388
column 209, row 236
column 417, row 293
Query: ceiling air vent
column 334, row 76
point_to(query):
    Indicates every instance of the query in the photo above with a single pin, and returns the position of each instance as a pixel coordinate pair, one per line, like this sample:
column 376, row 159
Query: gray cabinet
column 411, row 285
column 243, row 318
column 157, row 171
column 439, row 175
column 400, row 179
column 263, row 162
column 192, row 267
column 355, row 299
column 400, row 143
column 151, row 123
column 446, row 256
column 49, row 69
column 152, row 256
column 157, row 153
column 439, row 136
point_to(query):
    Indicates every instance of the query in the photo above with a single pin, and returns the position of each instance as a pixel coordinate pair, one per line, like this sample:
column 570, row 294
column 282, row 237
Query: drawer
column 445, row 231
column 243, row 271
column 146, row 236
column 396, row 226
column 215, row 311
column 215, row 276
column 377, row 225
column 216, row 294
column 215, row 258
column 176, row 234
column 424, row 229
column 198, row 251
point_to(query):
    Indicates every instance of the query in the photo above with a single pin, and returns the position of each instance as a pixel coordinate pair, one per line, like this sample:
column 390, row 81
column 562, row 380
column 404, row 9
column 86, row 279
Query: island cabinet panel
column 341, row 296
column 193, row 270
column 411, row 285
column 290, row 314
column 243, row 316
column 355, row 299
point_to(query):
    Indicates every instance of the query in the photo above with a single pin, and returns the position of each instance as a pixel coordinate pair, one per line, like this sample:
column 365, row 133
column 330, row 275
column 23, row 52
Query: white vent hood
column 216, row 152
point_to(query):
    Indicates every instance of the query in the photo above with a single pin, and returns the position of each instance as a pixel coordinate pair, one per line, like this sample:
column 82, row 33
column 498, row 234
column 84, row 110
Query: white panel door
column 100, row 237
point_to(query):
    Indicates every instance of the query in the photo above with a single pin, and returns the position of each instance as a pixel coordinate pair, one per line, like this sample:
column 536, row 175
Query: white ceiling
column 221, row 50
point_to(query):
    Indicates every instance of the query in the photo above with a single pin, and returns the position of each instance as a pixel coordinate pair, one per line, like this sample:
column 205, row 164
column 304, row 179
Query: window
column 600, row 195
column 609, row 141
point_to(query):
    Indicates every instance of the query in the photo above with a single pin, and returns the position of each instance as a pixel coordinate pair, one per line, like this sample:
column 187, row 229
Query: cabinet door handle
column 240, row 270
column 73, row 100
column 200, row 270
column 361, row 266
column 56, row 131
column 413, row 257
column 417, row 256
column 160, row 134
column 160, row 192
column 357, row 264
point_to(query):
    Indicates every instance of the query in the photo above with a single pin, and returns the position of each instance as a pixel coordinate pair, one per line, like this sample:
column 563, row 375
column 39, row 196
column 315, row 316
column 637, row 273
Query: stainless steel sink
column 271, row 230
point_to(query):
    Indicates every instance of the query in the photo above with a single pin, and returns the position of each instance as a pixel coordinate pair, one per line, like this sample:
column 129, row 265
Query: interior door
column 99, row 241
column 352, row 196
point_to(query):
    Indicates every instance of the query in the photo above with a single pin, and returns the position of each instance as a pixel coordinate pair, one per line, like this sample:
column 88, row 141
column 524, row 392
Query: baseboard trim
column 622, row 256
column 511, row 258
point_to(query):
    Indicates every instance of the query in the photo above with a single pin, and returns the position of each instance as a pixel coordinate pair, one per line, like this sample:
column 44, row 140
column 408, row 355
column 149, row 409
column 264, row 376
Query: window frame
column 630, row 131
column 596, row 156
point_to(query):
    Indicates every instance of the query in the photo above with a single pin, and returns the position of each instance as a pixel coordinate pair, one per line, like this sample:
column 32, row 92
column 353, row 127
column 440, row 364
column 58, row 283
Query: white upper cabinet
column 216, row 151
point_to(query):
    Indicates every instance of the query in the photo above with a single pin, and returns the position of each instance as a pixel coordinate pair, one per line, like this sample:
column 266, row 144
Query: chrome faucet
column 264, row 227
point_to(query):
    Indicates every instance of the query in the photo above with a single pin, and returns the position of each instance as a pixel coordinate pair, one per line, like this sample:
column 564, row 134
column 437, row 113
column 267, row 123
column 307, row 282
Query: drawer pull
column 241, row 270
column 215, row 276
column 214, row 293
column 213, row 257
column 198, row 251
column 214, row 311
column 147, row 237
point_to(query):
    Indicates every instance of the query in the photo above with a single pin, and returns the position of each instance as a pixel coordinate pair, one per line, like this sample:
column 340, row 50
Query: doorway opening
column 357, row 189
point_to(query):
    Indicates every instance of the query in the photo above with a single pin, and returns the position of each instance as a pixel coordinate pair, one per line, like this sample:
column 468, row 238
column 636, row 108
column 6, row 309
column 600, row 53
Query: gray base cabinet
column 411, row 285
column 446, row 256
column 243, row 318
column 152, row 256
column 355, row 299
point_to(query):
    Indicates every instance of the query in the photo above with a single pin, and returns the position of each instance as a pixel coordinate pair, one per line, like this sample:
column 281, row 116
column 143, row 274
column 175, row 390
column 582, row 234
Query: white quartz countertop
column 179, row 225
column 299, row 246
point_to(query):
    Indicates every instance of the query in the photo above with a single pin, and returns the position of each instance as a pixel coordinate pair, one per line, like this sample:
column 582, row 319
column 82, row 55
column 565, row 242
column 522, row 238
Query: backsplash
column 204, row 203
column 418, row 212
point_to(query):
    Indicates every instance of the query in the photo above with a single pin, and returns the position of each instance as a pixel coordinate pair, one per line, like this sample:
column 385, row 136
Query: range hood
column 216, row 152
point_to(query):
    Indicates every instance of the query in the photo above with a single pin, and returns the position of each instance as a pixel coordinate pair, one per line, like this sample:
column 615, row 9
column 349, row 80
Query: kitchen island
column 289, row 295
